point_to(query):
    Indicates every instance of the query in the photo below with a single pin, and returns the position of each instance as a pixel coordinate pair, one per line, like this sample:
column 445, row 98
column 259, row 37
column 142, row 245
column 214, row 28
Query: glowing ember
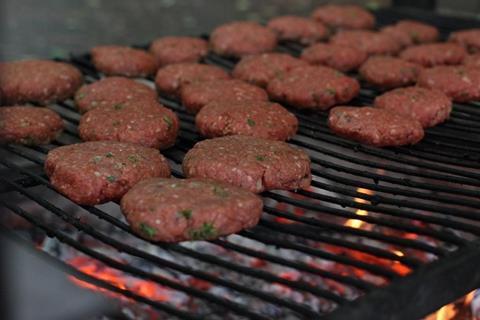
column 454, row 311
column 355, row 223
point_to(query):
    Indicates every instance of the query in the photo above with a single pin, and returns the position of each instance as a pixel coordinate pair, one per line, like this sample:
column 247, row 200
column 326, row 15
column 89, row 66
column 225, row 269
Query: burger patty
column 434, row 54
column 313, row 87
column 261, row 68
column 169, row 50
column 173, row 210
column 469, row 38
column 417, row 31
column 147, row 123
column 294, row 28
column 472, row 61
column 240, row 38
column 402, row 37
column 261, row 119
column 429, row 107
column 388, row 72
column 91, row 173
column 194, row 96
column 344, row 16
column 37, row 81
column 371, row 42
column 111, row 91
column 29, row 125
column 252, row 163
column 123, row 61
column 375, row 126
column 339, row 57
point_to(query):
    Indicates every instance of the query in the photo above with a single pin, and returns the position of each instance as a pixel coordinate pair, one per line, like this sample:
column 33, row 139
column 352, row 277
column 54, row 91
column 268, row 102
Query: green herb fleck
column 187, row 213
column 133, row 158
column 206, row 231
column 168, row 121
column 80, row 96
column 331, row 91
column 260, row 158
column 250, row 122
column 415, row 37
column 219, row 191
column 119, row 106
column 109, row 155
column 111, row 178
column 116, row 123
column 147, row 230
column 97, row 159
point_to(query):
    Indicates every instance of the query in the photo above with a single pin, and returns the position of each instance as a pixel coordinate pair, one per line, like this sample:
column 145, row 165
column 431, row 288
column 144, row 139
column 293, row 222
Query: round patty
column 339, row 57
column 371, row 42
column 171, row 78
column 469, row 38
column 252, row 163
column 143, row 122
column 241, row 38
column 38, row 81
column 460, row 83
column 111, row 91
column 374, row 126
column 123, row 61
column 434, row 54
column 388, row 72
column 29, row 125
column 418, row 32
column 169, row 50
column 402, row 37
column 91, row 173
column 313, row 87
column 259, row 69
column 196, row 95
column 472, row 60
column 429, row 107
column 261, row 119
column 344, row 16
column 173, row 210
column 294, row 28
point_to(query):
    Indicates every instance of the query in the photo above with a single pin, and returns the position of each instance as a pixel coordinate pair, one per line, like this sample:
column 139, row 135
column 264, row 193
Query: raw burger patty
column 344, row 16
column 111, row 91
column 145, row 122
column 91, row 173
column 313, row 87
column 169, row 50
column 29, row 125
column 123, row 61
column 371, row 42
column 340, row 57
column 429, row 107
column 300, row 29
column 196, row 95
column 239, row 38
column 38, row 81
column 434, row 54
column 470, row 39
column 173, row 210
column 374, row 126
column 171, row 78
column 261, row 119
column 261, row 68
column 472, row 60
column 388, row 72
column 252, row 163
column 417, row 31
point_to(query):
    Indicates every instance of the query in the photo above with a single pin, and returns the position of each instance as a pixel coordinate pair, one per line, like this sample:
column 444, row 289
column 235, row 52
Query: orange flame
column 450, row 311
column 355, row 223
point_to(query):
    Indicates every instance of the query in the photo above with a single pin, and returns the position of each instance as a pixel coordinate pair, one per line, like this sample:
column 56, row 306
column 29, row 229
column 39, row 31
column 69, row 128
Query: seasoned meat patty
column 429, row 107
column 344, row 16
column 472, row 60
column 402, row 37
column 29, row 125
column 371, row 42
column 375, row 126
column 261, row 119
column 171, row 78
column 300, row 29
column 259, row 69
column 417, row 31
column 340, row 57
column 434, row 54
column 143, row 122
column 169, row 50
column 196, row 95
column 469, row 38
column 460, row 83
column 388, row 72
column 240, row 38
column 111, row 91
column 91, row 173
column 313, row 87
column 252, row 163
column 173, row 210
column 38, row 81
column 123, row 61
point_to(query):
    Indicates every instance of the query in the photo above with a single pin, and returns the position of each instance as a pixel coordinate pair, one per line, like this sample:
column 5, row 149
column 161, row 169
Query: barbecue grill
column 381, row 234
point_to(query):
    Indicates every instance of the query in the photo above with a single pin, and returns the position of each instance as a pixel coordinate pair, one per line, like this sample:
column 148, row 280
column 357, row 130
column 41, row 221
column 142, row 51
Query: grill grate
column 429, row 191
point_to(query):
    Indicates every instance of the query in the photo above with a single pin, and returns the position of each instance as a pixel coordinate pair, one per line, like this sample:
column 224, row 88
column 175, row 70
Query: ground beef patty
column 339, row 57
column 402, row 37
column 29, row 125
column 171, row 78
column 429, row 107
column 313, row 87
column 252, row 163
column 375, row 126
column 91, row 173
column 143, row 122
column 434, row 54
column 169, row 50
column 472, row 61
column 300, row 29
column 417, row 31
column 259, row 69
column 194, row 96
column 388, row 72
column 38, row 81
column 240, row 38
column 460, row 83
column 261, row 119
column 371, row 42
column 344, row 16
column 123, row 61
column 111, row 91
column 469, row 38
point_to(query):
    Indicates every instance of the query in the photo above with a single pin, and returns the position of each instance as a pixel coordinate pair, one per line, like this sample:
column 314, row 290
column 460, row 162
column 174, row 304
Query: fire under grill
column 382, row 233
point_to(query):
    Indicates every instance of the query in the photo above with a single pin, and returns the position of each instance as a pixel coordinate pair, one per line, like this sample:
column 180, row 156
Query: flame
column 450, row 311
column 355, row 223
